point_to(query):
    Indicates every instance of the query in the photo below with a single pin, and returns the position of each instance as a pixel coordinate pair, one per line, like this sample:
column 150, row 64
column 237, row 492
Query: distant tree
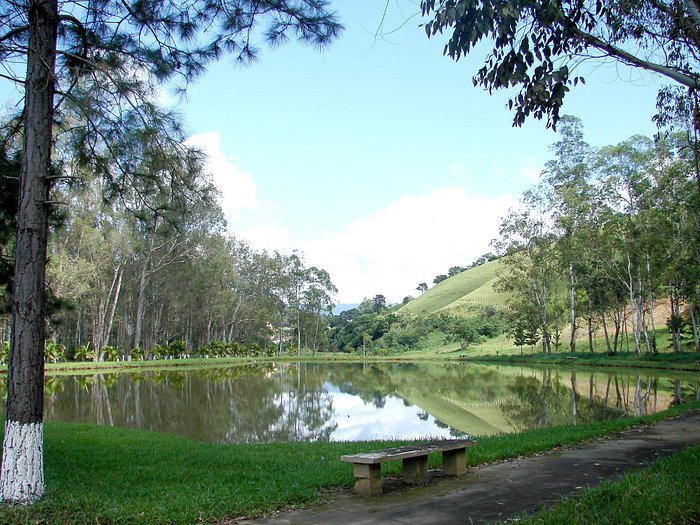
column 532, row 336
column 568, row 176
column 378, row 303
column 454, row 270
column 422, row 287
column 347, row 316
column 407, row 300
column 487, row 257
column 465, row 331
column 519, row 336
column 530, row 272
column 366, row 339
column 439, row 278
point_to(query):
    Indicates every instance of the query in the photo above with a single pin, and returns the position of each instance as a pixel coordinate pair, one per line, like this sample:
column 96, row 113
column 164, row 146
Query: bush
column 177, row 349
column 53, row 352
column 110, row 353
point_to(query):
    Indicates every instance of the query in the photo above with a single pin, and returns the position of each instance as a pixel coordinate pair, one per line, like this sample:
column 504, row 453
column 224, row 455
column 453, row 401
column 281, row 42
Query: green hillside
column 460, row 293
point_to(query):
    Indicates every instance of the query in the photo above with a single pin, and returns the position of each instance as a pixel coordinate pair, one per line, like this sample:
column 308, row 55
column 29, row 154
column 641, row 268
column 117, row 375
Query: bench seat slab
column 390, row 454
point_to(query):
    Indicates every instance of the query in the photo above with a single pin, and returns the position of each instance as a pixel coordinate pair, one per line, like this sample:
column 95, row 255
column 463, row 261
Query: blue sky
column 376, row 157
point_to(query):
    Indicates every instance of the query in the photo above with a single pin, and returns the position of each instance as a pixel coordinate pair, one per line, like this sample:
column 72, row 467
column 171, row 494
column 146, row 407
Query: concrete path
column 496, row 492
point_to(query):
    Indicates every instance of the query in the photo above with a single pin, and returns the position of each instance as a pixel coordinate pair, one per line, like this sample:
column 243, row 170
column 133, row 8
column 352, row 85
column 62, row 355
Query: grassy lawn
column 118, row 476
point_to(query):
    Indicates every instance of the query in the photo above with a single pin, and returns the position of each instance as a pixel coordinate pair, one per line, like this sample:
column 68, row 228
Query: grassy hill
column 461, row 293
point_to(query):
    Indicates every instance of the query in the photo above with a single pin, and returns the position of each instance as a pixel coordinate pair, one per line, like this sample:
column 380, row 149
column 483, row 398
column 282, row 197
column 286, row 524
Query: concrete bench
column 367, row 466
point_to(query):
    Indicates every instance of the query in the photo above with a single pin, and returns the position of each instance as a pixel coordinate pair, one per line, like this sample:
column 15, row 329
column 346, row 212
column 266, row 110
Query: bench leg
column 454, row 462
column 415, row 470
column 369, row 481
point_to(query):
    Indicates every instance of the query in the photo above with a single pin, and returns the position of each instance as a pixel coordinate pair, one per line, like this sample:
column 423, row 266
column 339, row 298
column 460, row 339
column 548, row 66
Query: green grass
column 472, row 286
column 666, row 492
column 504, row 446
column 109, row 475
column 688, row 361
column 116, row 476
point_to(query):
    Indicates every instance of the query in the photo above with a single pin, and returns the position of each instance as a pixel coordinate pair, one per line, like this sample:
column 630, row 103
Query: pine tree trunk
column 617, row 320
column 675, row 317
column 641, row 313
column 574, row 408
column 97, row 329
column 113, row 308
column 22, row 472
column 605, row 332
column 633, row 306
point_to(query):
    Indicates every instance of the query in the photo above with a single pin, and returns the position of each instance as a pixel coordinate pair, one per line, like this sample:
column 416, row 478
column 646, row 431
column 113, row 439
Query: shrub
column 54, row 352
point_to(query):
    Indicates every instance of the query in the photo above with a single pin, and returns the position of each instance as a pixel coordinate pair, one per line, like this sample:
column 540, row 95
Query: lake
column 355, row 401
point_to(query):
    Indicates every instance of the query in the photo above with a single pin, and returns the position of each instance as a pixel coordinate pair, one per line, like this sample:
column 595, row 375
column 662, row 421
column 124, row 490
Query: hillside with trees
column 607, row 238
column 604, row 239
column 601, row 253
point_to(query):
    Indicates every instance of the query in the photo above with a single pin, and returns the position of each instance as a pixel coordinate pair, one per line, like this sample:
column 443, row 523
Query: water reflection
column 293, row 402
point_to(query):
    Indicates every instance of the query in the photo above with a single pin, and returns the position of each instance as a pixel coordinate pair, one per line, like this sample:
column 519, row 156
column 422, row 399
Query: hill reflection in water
column 315, row 401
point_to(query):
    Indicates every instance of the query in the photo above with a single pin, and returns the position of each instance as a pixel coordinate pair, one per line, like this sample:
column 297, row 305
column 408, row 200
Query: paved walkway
column 499, row 491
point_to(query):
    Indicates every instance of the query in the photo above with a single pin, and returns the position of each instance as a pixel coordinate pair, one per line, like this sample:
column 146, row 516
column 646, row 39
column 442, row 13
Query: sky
column 376, row 157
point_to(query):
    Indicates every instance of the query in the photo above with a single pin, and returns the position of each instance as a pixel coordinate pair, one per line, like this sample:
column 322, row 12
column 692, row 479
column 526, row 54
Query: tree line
column 608, row 237
column 134, row 283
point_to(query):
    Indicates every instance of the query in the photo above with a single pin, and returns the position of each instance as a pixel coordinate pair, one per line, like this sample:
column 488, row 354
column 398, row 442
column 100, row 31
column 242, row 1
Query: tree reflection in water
column 222, row 405
column 293, row 402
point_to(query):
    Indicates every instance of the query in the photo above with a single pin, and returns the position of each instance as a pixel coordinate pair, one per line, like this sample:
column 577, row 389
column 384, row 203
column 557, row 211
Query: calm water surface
column 289, row 402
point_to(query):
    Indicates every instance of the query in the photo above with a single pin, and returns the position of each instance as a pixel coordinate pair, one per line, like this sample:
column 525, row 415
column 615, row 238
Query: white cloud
column 238, row 189
column 267, row 234
column 408, row 242
column 387, row 252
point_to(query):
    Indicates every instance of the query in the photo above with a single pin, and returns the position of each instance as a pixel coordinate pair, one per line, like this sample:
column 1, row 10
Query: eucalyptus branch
column 686, row 79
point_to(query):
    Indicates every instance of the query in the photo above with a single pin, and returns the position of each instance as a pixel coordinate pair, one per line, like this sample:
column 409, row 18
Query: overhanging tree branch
column 688, row 80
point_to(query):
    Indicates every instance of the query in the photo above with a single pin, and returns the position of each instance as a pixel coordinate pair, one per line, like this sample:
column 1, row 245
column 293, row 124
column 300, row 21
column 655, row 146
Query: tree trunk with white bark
column 22, row 476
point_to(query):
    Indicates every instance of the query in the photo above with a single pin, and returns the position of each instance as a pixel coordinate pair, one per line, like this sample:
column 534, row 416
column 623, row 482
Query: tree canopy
column 539, row 45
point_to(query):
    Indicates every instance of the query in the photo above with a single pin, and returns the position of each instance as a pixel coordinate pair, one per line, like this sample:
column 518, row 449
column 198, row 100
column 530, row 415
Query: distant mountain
column 461, row 294
column 344, row 306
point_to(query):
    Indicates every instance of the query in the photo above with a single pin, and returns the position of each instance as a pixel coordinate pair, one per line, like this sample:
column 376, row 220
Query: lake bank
column 685, row 361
